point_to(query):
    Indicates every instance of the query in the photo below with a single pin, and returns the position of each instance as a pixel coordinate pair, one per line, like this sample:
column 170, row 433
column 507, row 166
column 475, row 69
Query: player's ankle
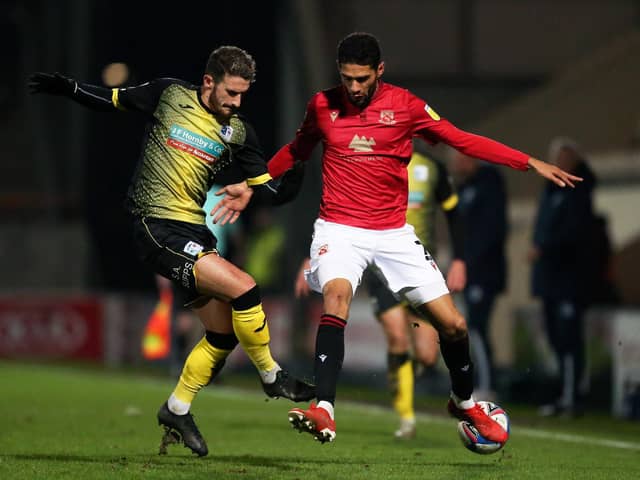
column 269, row 376
column 327, row 406
column 177, row 406
column 464, row 404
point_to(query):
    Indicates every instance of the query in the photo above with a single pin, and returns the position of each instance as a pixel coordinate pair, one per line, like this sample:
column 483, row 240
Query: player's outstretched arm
column 553, row 173
column 91, row 96
column 52, row 84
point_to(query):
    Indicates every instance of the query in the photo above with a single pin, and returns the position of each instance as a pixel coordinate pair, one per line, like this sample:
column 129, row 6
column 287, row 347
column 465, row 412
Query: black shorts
column 170, row 248
column 383, row 298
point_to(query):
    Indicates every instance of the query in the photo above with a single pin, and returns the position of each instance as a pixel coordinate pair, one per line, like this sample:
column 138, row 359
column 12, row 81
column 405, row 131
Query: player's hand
column 553, row 173
column 290, row 184
column 53, row 84
column 235, row 200
column 301, row 287
column 457, row 276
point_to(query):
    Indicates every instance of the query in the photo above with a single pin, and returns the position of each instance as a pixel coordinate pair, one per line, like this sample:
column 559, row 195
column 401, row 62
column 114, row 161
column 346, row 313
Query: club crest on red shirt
column 387, row 117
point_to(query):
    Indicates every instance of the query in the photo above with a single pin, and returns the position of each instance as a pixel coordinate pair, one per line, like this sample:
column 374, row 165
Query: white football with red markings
column 472, row 439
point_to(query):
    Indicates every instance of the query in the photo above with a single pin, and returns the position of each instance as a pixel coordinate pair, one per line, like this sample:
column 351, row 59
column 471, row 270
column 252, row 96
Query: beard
column 360, row 102
column 222, row 110
column 363, row 101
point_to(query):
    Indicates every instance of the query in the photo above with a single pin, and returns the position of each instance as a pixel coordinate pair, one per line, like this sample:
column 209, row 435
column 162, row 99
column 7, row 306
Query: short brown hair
column 359, row 48
column 230, row 60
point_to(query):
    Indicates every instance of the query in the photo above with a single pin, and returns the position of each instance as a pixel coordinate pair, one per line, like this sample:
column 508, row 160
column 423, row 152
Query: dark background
column 156, row 44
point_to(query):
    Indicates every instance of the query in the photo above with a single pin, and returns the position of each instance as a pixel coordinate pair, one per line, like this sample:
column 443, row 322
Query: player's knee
column 221, row 341
column 397, row 339
column 337, row 297
column 397, row 343
column 393, row 322
column 428, row 358
column 455, row 328
column 208, row 270
column 248, row 299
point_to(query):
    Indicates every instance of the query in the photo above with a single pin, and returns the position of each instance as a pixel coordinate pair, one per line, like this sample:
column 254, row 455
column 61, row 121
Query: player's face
column 226, row 95
column 360, row 81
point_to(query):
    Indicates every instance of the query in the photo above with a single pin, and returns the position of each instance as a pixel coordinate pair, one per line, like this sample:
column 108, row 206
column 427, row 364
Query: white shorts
column 340, row 251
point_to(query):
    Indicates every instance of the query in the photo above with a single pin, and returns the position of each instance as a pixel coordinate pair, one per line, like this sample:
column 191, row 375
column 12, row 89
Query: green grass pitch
column 66, row 423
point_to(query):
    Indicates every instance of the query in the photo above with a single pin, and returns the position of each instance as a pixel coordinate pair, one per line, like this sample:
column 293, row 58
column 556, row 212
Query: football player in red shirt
column 366, row 127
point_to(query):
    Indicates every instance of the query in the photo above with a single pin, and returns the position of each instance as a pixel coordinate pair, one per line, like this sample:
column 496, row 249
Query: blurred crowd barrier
column 612, row 352
column 108, row 329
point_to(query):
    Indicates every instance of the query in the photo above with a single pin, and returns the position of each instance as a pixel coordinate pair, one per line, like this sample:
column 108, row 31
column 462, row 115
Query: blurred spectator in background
column 565, row 270
column 264, row 249
column 483, row 210
column 601, row 288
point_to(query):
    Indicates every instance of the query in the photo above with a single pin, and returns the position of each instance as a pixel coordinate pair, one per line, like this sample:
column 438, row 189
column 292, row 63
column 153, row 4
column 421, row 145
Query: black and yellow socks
column 400, row 376
column 203, row 363
column 250, row 326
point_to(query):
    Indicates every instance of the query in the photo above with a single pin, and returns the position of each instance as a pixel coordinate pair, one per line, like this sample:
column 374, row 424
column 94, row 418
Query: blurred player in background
column 366, row 127
column 193, row 134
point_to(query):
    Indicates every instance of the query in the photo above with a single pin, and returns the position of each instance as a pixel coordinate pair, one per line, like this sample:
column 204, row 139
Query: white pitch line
column 520, row 431
column 571, row 438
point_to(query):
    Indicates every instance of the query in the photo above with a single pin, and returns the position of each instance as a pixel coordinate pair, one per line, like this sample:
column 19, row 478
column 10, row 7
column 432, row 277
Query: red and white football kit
column 362, row 217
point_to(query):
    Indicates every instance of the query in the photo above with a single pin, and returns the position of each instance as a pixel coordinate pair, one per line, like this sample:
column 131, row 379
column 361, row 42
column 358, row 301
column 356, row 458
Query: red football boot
column 315, row 421
column 486, row 426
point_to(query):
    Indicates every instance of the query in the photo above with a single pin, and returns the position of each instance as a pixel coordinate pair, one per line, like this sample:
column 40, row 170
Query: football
column 475, row 442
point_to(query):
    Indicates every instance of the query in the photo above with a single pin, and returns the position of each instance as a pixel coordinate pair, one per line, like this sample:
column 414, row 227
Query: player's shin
column 250, row 326
column 328, row 359
column 456, row 356
column 203, row 363
column 400, row 375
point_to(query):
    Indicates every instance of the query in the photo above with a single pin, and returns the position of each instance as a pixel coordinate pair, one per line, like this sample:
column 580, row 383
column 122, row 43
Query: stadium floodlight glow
column 115, row 74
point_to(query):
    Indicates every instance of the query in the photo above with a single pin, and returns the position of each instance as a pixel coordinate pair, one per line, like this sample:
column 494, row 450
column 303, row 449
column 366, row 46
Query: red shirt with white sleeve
column 366, row 152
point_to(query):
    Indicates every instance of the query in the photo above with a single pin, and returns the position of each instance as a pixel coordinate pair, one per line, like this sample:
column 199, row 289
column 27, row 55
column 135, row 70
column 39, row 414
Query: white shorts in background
column 340, row 251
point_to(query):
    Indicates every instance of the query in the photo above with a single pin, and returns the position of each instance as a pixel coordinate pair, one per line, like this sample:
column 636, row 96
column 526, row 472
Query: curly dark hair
column 359, row 48
column 231, row 60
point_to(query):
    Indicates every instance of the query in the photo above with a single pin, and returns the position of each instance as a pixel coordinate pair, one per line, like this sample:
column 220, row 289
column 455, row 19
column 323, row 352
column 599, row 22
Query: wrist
column 70, row 87
column 533, row 162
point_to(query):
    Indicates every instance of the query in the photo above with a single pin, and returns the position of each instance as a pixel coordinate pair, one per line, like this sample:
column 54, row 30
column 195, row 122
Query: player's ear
column 208, row 81
column 380, row 70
